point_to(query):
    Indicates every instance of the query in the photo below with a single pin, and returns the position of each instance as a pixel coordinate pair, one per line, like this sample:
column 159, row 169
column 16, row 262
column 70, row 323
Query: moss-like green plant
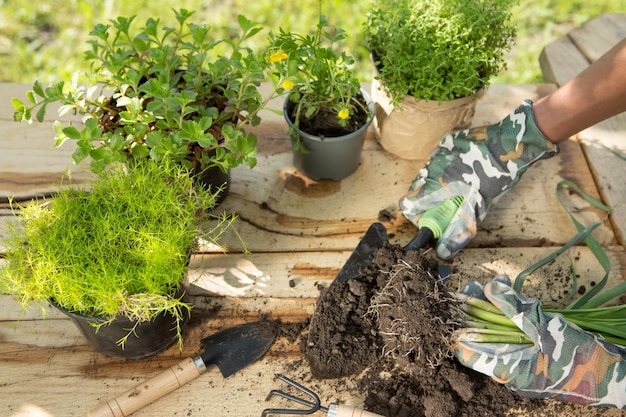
column 438, row 49
column 120, row 248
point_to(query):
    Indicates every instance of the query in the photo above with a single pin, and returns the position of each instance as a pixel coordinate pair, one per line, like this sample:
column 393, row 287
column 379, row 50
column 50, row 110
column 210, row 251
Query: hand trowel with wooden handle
column 230, row 351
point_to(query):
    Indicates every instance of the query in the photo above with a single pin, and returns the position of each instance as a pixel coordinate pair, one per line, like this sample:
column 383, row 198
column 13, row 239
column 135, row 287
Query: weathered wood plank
column 332, row 216
column 30, row 165
column 242, row 394
column 597, row 36
column 605, row 148
column 303, row 275
column 561, row 60
column 277, row 205
column 564, row 58
column 286, row 285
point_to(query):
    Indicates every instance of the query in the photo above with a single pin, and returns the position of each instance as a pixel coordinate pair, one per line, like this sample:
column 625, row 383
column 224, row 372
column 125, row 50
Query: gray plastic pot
column 332, row 158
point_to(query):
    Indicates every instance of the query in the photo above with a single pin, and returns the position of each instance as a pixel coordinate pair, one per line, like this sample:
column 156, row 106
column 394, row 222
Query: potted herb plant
column 327, row 111
column 432, row 60
column 184, row 94
column 113, row 257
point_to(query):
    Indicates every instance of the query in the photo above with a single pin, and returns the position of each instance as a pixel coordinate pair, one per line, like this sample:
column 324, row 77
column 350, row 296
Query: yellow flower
column 287, row 84
column 278, row 56
column 343, row 114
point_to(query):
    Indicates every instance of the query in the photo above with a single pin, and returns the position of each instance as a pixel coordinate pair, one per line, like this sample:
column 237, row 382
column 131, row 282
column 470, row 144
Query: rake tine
column 293, row 398
column 314, row 406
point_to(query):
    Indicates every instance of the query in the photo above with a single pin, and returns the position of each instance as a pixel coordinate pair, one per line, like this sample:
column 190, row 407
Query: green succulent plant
column 182, row 93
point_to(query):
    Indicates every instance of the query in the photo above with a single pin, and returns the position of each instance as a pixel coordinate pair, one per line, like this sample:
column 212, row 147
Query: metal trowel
column 229, row 350
column 374, row 239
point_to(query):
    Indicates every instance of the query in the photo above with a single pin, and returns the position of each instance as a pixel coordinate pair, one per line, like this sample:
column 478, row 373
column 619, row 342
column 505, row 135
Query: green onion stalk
column 485, row 323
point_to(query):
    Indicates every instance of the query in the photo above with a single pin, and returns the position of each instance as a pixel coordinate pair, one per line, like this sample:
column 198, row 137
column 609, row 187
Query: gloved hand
column 479, row 164
column 564, row 362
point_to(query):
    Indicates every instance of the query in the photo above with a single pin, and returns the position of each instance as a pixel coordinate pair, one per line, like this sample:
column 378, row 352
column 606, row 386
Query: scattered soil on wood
column 390, row 325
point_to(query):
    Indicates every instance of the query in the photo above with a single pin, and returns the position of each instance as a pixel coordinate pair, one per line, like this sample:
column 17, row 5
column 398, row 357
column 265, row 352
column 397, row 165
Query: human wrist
column 520, row 127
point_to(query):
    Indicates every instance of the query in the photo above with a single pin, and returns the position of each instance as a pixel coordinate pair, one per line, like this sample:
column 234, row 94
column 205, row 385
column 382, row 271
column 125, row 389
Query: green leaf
column 30, row 95
column 65, row 109
column 206, row 140
column 245, row 23
column 154, row 139
column 41, row 113
column 72, row 133
column 78, row 157
column 38, row 89
column 99, row 153
column 115, row 142
column 140, row 151
column 155, row 107
column 21, row 115
column 92, row 130
column 205, row 124
column 59, row 139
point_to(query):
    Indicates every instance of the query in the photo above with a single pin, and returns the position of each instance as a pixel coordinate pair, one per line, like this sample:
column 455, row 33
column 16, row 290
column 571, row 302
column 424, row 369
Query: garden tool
column 230, row 350
column 374, row 239
column 333, row 410
column 434, row 222
column 431, row 225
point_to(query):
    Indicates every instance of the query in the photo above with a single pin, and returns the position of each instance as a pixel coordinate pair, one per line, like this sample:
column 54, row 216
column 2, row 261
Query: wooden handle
column 146, row 392
column 335, row 410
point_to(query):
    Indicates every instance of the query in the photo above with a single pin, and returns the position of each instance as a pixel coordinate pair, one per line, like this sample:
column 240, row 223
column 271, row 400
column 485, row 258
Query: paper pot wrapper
column 415, row 127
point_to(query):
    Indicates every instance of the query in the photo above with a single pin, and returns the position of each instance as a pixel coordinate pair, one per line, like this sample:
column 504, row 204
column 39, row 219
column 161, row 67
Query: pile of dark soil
column 390, row 325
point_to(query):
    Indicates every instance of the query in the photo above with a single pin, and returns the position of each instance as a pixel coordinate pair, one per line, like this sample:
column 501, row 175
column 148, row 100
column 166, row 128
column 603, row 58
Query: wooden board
column 275, row 204
column 300, row 233
column 562, row 59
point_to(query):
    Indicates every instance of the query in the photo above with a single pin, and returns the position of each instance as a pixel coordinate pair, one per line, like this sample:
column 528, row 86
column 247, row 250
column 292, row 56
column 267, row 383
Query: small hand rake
column 333, row 410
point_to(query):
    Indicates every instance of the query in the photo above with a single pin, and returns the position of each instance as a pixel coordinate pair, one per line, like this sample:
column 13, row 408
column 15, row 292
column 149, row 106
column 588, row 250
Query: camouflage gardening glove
column 479, row 164
column 564, row 362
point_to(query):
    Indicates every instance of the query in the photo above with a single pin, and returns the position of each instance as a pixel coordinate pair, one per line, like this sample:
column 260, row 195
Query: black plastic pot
column 148, row 338
column 213, row 178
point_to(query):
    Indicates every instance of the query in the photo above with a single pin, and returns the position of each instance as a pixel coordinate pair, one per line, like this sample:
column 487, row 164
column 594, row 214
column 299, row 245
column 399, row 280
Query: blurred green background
column 45, row 40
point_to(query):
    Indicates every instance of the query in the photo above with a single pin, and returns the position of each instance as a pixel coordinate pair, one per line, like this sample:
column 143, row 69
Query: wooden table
column 300, row 233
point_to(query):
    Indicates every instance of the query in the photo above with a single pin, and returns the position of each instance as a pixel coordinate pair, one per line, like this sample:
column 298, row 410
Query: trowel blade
column 374, row 238
column 235, row 348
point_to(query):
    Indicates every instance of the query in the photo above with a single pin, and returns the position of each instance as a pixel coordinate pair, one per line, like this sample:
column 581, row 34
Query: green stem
column 483, row 324
column 488, row 315
column 481, row 336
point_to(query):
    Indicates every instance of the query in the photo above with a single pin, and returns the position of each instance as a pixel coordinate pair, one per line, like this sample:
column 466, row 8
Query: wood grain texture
column 562, row 59
column 300, row 233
